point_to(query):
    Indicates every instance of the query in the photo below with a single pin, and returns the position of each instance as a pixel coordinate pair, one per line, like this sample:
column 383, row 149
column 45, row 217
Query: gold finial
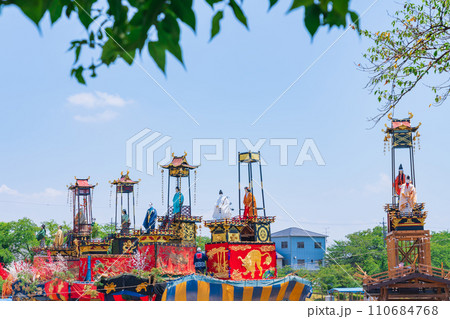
column 89, row 177
column 410, row 115
column 390, row 116
column 185, row 154
column 173, row 154
column 420, row 123
column 128, row 171
column 121, row 173
column 75, row 177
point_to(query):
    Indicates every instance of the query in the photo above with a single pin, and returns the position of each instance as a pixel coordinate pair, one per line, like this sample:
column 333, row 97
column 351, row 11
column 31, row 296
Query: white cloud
column 46, row 194
column 97, row 118
column 97, row 100
column 6, row 190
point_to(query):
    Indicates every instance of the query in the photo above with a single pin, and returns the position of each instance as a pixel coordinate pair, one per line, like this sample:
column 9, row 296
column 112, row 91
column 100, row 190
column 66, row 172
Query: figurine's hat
column 400, row 167
column 220, row 192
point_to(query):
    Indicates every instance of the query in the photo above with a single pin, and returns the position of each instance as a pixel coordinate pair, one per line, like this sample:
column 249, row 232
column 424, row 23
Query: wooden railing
column 406, row 270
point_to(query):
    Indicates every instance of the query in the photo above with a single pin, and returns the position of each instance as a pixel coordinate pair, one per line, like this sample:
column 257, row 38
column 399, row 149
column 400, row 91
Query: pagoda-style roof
column 81, row 183
column 124, row 180
column 179, row 167
column 401, row 124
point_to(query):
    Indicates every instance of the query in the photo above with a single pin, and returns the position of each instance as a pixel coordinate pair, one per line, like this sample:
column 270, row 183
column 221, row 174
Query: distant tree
column 6, row 256
column 336, row 276
column 102, row 230
column 117, row 29
column 365, row 248
column 52, row 227
column 201, row 241
column 22, row 238
column 440, row 249
column 415, row 50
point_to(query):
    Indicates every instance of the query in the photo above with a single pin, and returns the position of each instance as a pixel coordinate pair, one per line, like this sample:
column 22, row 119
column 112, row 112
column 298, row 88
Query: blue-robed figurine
column 178, row 200
column 150, row 218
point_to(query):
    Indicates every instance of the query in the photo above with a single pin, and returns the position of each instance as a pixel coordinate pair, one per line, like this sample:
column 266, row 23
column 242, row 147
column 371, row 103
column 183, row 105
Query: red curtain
column 252, row 261
column 175, row 260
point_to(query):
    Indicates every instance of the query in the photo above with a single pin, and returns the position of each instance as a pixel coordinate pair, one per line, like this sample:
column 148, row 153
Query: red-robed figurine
column 399, row 180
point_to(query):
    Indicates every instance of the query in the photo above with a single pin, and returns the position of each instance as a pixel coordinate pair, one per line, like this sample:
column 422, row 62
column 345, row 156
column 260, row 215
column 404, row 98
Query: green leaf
column 215, row 25
column 300, row 3
column 109, row 52
column 78, row 73
column 34, row 9
column 128, row 56
column 55, row 9
column 212, row 2
column 158, row 53
column 169, row 35
column 341, row 6
column 183, row 9
column 84, row 12
column 312, row 18
column 238, row 12
column 355, row 19
column 272, row 3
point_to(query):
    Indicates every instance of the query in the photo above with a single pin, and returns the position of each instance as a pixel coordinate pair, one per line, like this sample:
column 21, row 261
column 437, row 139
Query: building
column 300, row 248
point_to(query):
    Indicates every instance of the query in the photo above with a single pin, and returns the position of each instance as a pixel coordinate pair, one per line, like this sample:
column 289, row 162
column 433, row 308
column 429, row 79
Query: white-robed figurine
column 408, row 197
column 222, row 209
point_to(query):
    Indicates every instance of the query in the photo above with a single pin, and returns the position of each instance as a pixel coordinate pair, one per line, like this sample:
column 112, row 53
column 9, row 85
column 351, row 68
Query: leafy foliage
column 17, row 239
column 201, row 241
column 440, row 247
column 51, row 228
column 118, row 29
column 416, row 48
column 364, row 248
column 102, row 231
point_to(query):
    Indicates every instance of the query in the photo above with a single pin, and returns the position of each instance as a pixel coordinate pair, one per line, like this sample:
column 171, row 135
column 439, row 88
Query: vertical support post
column 189, row 187
column 239, row 182
column 78, row 209
column 73, row 207
column 115, row 222
column 413, row 169
column 393, row 171
column 121, row 205
column 134, row 212
column 262, row 185
column 168, row 195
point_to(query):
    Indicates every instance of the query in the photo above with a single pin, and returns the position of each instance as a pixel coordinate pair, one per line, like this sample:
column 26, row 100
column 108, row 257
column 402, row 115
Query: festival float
column 410, row 275
column 158, row 263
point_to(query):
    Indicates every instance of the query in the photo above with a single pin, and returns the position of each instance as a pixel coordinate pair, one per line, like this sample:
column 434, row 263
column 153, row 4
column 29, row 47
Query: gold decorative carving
column 253, row 261
column 240, row 247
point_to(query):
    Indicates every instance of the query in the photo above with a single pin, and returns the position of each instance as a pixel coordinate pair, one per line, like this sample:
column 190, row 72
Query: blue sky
column 54, row 128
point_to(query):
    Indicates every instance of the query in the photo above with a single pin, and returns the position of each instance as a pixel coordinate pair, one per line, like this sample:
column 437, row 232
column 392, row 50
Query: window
column 300, row 244
column 317, row 245
column 300, row 262
column 284, row 244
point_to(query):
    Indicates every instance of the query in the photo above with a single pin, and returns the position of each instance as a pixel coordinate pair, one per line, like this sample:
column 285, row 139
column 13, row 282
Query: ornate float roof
column 81, row 183
column 401, row 124
column 179, row 167
column 179, row 161
column 124, row 179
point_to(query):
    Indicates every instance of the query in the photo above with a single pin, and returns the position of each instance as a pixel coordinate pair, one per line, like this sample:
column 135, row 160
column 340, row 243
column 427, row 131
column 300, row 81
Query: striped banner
column 201, row 288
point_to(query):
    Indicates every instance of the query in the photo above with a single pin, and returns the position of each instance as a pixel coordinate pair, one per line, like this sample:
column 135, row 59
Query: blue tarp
column 354, row 290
